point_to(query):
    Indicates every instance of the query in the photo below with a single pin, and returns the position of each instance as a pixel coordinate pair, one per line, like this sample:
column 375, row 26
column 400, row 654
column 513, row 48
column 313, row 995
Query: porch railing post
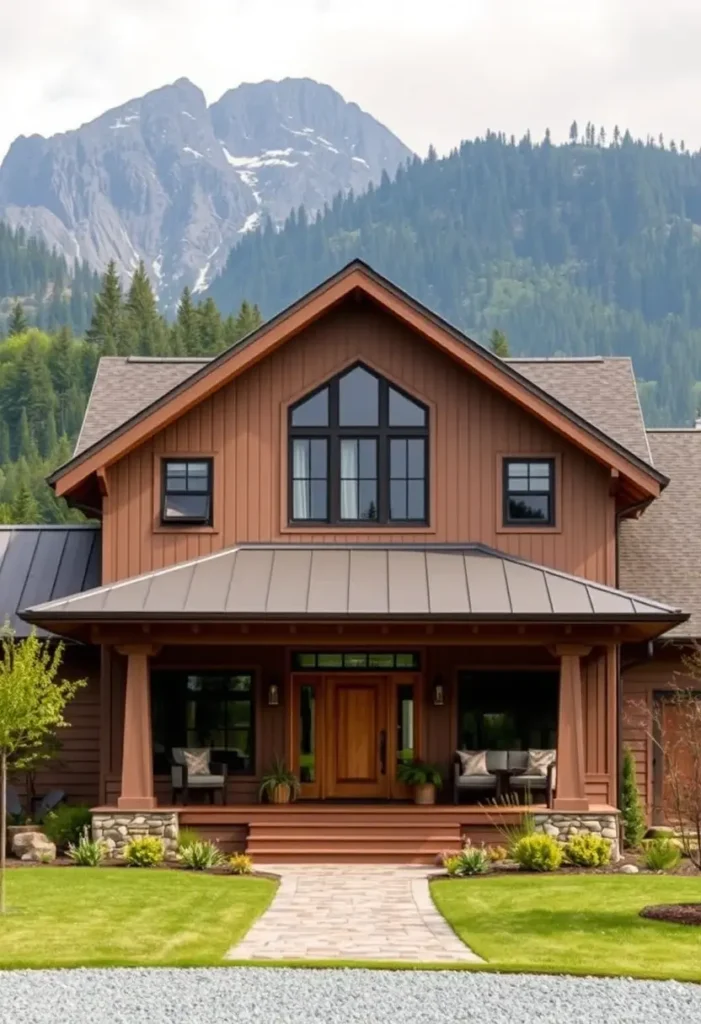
column 137, row 755
column 570, row 787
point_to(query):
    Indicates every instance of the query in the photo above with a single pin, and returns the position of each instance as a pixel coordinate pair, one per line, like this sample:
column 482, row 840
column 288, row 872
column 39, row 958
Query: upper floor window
column 358, row 453
column 529, row 492
column 187, row 492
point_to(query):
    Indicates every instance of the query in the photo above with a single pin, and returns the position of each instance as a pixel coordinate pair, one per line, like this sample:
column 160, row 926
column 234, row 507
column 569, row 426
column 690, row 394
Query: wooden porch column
column 569, row 786
column 137, row 753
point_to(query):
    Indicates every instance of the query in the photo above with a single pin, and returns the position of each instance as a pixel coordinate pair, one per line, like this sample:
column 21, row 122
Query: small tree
column 634, row 824
column 499, row 344
column 32, row 702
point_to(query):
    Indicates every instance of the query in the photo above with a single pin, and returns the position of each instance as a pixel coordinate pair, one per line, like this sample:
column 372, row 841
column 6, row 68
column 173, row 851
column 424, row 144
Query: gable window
column 187, row 492
column 358, row 453
column 529, row 492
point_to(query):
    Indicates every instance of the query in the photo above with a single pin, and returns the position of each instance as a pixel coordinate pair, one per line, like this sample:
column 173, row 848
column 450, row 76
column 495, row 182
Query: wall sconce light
column 273, row 695
column 438, row 693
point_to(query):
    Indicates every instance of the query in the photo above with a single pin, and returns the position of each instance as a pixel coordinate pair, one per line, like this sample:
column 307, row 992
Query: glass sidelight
column 307, row 734
column 404, row 721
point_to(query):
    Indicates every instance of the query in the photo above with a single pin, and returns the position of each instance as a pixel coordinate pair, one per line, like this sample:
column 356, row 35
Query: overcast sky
column 431, row 70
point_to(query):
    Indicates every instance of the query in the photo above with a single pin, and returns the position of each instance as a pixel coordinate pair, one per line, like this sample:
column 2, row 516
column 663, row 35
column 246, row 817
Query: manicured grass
column 576, row 924
column 68, row 917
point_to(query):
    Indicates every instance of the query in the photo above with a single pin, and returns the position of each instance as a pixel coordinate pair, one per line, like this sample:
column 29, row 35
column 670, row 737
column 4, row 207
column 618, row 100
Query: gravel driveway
column 298, row 996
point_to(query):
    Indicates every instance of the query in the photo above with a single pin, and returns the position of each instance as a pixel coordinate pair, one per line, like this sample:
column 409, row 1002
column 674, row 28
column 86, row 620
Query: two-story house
column 356, row 537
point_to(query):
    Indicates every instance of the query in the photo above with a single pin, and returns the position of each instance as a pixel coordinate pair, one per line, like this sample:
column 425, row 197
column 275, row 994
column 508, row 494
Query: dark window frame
column 208, row 492
column 550, row 493
column 169, row 675
column 383, row 433
column 347, row 656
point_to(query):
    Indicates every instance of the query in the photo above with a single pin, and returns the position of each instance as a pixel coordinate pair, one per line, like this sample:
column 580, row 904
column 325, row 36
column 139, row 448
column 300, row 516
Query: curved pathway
column 352, row 912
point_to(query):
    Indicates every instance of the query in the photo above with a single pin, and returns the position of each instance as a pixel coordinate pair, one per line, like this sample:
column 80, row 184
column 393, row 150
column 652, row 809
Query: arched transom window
column 358, row 453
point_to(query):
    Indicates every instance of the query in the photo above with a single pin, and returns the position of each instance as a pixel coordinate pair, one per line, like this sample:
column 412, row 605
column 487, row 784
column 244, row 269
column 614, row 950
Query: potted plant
column 422, row 777
column 280, row 785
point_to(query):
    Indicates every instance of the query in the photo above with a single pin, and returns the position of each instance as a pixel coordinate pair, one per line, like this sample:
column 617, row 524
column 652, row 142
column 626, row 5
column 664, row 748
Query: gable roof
column 660, row 553
column 43, row 563
column 278, row 581
column 642, row 479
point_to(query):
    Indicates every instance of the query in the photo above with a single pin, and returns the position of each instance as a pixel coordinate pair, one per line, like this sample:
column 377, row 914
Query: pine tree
column 107, row 325
column 187, row 324
column 26, row 447
column 24, row 508
column 210, row 328
column 499, row 344
column 17, row 324
column 142, row 321
column 248, row 319
column 574, row 133
column 634, row 825
column 4, row 442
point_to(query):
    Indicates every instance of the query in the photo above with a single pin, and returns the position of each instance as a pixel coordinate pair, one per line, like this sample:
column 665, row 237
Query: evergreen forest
column 46, row 376
column 590, row 247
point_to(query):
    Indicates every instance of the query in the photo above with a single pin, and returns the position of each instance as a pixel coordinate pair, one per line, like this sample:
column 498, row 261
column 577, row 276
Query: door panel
column 680, row 761
column 357, row 731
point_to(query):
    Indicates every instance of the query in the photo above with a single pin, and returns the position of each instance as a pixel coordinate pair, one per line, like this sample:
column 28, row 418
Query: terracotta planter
column 425, row 793
column 280, row 795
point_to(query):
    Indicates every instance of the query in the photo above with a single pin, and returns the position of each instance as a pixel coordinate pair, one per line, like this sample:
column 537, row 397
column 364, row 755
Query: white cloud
column 432, row 71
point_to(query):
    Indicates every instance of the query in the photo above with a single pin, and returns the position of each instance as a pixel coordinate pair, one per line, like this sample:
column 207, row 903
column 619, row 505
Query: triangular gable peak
column 635, row 480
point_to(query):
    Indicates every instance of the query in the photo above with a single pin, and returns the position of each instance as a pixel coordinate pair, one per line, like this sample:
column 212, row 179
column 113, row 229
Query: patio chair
column 523, row 782
column 183, row 779
column 47, row 803
column 488, row 784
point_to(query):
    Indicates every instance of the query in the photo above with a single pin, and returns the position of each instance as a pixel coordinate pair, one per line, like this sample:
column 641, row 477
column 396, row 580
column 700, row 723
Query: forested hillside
column 588, row 248
column 52, row 294
column 45, row 381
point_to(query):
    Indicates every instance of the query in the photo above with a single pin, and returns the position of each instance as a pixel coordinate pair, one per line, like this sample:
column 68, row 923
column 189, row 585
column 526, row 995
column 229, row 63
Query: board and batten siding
column 243, row 426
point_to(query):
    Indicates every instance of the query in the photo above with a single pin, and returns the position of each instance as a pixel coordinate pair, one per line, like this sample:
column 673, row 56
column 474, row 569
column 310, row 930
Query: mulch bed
column 675, row 913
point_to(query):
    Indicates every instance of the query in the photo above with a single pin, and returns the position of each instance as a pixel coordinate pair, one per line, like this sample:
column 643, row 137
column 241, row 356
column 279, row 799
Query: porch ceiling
column 282, row 582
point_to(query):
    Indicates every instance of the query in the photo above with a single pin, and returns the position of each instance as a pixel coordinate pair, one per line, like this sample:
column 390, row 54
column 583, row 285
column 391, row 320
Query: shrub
column 661, row 854
column 631, row 805
column 201, row 855
column 87, row 852
column 472, row 860
column 186, row 837
column 538, row 853
column 241, row 864
column 144, row 852
column 497, row 853
column 588, row 851
column 66, row 825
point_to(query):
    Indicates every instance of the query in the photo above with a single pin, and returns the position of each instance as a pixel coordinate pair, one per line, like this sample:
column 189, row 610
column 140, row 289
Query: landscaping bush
column 661, row 854
column 588, row 851
column 631, row 805
column 538, row 853
column 144, row 852
column 87, row 852
column 66, row 824
column 497, row 853
column 241, row 864
column 201, row 855
column 186, row 837
column 472, row 860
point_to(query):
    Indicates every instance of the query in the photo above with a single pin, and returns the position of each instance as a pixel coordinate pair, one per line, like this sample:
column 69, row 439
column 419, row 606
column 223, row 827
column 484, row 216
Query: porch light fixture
column 273, row 695
column 438, row 693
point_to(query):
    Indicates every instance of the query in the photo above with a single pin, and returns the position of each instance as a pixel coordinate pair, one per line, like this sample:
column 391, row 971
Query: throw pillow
column 539, row 761
column 473, row 762
column 197, row 761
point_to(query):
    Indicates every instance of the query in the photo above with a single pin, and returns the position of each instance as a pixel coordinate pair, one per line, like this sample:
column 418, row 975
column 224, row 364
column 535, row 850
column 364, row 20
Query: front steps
column 353, row 834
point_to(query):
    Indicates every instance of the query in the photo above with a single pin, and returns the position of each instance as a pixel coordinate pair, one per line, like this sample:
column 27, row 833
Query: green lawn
column 63, row 917
column 575, row 924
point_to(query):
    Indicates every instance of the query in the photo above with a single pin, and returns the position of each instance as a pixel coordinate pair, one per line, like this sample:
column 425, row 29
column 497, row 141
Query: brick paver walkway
column 352, row 912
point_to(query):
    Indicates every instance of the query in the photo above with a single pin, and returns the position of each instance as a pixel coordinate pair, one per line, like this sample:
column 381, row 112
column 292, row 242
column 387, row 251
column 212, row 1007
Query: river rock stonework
column 562, row 825
column 117, row 828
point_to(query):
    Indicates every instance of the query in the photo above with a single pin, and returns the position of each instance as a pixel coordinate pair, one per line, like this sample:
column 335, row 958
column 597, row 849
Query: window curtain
column 349, row 479
column 300, row 480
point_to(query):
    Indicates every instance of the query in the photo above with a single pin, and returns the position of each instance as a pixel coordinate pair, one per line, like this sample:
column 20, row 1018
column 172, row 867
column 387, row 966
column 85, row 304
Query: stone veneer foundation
column 562, row 825
column 117, row 828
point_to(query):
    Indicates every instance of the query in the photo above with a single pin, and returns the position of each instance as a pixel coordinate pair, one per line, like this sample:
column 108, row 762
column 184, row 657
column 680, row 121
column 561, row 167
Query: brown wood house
column 353, row 538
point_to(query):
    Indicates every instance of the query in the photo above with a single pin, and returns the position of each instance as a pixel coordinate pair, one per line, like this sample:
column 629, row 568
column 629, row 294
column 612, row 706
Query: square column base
column 571, row 804
column 136, row 803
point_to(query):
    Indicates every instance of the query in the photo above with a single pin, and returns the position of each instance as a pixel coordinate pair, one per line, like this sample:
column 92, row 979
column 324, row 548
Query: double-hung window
column 358, row 453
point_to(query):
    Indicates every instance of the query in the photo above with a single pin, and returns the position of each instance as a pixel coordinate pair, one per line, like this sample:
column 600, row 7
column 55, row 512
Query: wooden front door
column 681, row 778
column 357, row 737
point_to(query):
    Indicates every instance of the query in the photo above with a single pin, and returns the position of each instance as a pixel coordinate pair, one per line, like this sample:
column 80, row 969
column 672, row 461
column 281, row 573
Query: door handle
column 383, row 752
